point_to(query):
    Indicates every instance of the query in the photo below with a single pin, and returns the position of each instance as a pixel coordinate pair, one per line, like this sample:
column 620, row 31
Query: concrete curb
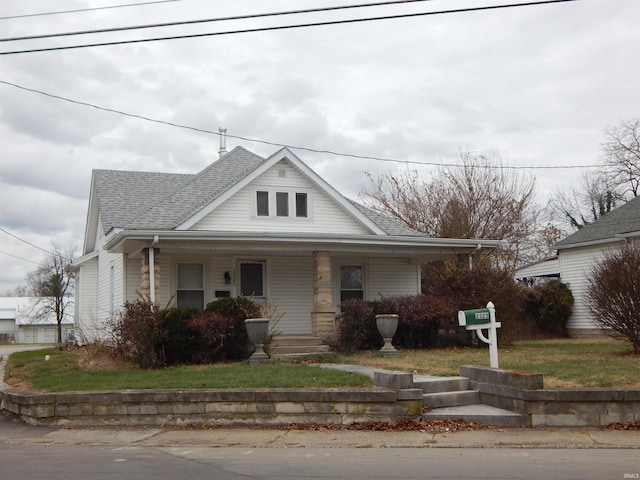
column 282, row 438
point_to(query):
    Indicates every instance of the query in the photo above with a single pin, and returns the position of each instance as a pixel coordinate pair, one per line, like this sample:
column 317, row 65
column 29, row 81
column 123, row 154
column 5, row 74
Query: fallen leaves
column 406, row 425
column 633, row 425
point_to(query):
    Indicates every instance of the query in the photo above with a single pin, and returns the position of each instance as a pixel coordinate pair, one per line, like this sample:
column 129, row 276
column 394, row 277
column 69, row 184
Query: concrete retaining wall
column 214, row 407
column 523, row 392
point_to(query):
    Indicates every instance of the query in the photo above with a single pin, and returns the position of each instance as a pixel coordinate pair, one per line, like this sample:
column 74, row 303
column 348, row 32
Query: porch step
column 297, row 347
column 479, row 413
column 451, row 399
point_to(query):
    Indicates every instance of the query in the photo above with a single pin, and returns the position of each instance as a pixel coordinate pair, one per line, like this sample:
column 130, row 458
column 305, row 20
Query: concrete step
column 479, row 413
column 280, row 349
column 433, row 384
column 295, row 357
column 288, row 340
column 451, row 399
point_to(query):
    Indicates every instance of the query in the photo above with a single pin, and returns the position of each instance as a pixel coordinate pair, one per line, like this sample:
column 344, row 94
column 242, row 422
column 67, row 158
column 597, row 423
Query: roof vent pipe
column 223, row 141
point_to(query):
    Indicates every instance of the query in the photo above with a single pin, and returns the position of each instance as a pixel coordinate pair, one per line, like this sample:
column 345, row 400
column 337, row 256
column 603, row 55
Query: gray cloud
column 537, row 85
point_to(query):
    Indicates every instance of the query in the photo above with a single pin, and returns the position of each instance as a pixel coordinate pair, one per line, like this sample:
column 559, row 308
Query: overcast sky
column 535, row 85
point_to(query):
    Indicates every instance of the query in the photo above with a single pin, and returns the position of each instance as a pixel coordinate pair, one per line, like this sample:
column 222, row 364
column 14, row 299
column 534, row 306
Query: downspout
column 479, row 247
column 152, row 270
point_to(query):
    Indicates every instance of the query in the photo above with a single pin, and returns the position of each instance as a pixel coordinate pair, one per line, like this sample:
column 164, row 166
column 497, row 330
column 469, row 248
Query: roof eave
column 312, row 240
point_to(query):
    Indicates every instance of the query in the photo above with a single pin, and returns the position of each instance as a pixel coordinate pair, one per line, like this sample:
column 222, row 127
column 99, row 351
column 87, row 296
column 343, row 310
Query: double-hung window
column 191, row 285
column 351, row 282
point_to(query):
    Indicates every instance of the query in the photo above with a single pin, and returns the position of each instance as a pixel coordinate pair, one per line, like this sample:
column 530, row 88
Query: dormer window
column 262, row 203
column 282, row 204
column 301, row 204
column 273, row 202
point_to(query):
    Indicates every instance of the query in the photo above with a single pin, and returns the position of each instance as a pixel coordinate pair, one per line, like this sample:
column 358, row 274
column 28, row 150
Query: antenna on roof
column 223, row 141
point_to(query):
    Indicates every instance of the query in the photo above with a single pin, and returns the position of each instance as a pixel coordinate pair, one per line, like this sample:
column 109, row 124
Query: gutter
column 303, row 239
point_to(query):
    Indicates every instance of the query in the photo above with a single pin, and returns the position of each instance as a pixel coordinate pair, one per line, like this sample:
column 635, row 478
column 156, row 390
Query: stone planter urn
column 387, row 325
column 258, row 330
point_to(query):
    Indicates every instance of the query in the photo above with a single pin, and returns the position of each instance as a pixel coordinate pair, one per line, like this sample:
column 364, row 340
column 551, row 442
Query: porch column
column 323, row 313
column 147, row 276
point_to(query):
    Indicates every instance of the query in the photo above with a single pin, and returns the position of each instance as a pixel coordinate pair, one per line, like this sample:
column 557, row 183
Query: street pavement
column 12, row 432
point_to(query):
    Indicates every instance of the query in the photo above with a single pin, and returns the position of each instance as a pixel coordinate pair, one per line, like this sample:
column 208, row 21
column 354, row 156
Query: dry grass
column 565, row 363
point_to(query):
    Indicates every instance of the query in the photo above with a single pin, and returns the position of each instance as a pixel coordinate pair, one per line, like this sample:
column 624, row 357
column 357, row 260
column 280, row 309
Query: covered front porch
column 303, row 279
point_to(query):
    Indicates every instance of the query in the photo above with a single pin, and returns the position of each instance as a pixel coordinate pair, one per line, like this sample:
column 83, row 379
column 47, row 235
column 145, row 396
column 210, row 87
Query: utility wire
column 88, row 9
column 265, row 142
column 210, row 20
column 286, row 27
column 19, row 258
column 31, row 244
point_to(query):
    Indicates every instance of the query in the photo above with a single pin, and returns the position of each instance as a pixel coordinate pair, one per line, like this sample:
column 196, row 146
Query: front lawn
column 68, row 371
column 565, row 363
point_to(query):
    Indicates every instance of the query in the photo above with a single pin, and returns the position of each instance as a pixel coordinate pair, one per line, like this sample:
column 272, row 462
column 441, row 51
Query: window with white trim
column 282, row 204
column 301, row 205
column 262, row 203
column 190, row 285
column 351, row 284
column 273, row 202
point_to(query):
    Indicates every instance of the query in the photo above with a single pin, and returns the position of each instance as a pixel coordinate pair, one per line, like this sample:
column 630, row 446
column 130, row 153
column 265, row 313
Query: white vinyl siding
column 220, row 265
column 239, row 213
column 110, row 284
column 393, row 276
column 86, row 297
column 575, row 267
column 291, row 289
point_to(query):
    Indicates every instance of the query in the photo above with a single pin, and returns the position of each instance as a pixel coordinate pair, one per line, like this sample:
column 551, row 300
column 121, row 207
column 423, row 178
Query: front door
column 253, row 279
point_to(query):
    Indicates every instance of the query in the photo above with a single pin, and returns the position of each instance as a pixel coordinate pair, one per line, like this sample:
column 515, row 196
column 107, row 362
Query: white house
column 579, row 252
column 21, row 323
column 270, row 228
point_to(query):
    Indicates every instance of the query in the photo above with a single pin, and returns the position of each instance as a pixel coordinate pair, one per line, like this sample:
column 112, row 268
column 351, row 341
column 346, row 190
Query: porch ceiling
column 419, row 248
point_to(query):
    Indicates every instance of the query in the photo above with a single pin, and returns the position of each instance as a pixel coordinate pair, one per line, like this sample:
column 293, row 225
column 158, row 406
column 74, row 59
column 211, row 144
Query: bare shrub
column 420, row 318
column 614, row 294
column 357, row 328
column 138, row 334
column 210, row 332
column 466, row 288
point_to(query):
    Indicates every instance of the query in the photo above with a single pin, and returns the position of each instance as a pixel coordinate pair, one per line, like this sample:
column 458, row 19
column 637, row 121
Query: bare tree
column 52, row 284
column 595, row 196
column 621, row 155
column 479, row 198
column 614, row 287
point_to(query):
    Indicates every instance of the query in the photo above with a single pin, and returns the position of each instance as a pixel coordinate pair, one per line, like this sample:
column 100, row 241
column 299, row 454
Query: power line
column 19, row 258
column 286, row 27
column 88, row 9
column 219, row 19
column 292, row 147
column 25, row 241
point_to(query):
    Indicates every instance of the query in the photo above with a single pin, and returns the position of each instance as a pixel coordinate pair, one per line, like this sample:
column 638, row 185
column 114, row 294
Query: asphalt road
column 81, row 462
column 36, row 453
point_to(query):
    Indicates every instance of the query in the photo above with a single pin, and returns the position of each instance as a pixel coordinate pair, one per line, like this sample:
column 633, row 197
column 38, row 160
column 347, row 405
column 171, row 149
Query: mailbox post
column 479, row 319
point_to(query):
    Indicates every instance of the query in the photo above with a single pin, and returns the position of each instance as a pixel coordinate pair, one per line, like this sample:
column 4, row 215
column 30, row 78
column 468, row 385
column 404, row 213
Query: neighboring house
column 20, row 322
column 269, row 228
column 579, row 252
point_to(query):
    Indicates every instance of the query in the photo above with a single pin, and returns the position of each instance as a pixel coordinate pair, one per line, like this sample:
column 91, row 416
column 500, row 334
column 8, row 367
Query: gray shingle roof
column 146, row 200
column 388, row 224
column 622, row 220
column 163, row 201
